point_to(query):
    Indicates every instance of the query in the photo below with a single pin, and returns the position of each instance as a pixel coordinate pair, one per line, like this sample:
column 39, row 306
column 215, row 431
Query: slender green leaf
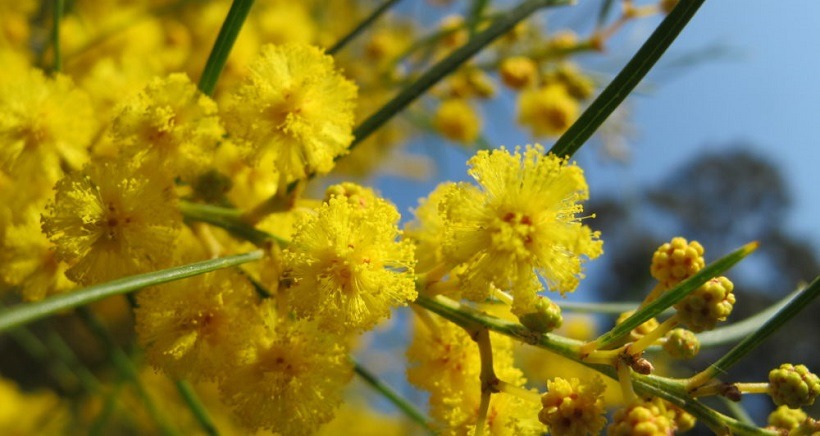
column 674, row 295
column 197, row 408
column 432, row 76
column 787, row 312
column 606, row 308
column 25, row 313
column 223, row 45
column 405, row 406
column 384, row 7
column 739, row 330
column 626, row 80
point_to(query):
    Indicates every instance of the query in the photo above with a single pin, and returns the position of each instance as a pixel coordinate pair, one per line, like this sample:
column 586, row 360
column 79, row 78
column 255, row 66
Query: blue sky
column 764, row 90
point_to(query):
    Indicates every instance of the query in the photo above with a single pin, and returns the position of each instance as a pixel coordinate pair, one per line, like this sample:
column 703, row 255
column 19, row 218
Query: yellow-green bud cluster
column 643, row 418
column 793, row 386
column 546, row 318
column 710, row 303
column 786, row 418
column 681, row 344
column 675, row 261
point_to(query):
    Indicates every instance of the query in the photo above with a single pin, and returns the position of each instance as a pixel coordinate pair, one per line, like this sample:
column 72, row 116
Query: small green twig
column 405, row 406
column 223, row 45
column 196, row 407
column 125, row 367
column 384, row 7
column 230, row 220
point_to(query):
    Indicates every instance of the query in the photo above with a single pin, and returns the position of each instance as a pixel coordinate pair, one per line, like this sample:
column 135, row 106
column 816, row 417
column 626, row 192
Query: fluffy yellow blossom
column 548, row 110
column 294, row 108
column 346, row 268
column 426, row 230
column 444, row 361
column 572, row 408
column 169, row 125
column 456, row 120
column 45, row 124
column 28, row 261
column 291, row 384
column 196, row 328
column 111, row 220
column 521, row 224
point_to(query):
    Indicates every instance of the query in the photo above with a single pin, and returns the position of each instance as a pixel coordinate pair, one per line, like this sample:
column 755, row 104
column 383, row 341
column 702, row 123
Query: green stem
column 405, row 406
column 361, row 27
column 228, row 219
column 669, row 389
column 125, row 367
column 25, row 313
column 432, row 76
column 59, row 8
column 223, row 45
column 626, row 80
column 787, row 312
column 197, row 408
column 34, row 347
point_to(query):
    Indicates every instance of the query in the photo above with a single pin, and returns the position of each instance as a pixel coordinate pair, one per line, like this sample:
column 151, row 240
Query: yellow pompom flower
column 345, row 267
column 518, row 72
column 295, row 107
column 197, row 328
column 456, row 120
column 45, row 124
column 111, row 220
column 520, row 224
column 28, row 261
column 573, row 408
column 444, row 360
column 548, row 110
column 292, row 383
column 169, row 125
column 426, row 231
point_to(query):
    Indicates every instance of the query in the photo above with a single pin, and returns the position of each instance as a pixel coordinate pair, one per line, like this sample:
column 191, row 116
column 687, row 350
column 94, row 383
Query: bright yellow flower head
column 293, row 383
column 27, row 260
column 170, row 125
column 296, row 107
column 111, row 220
column 45, row 123
column 196, row 328
column 548, row 110
column 346, row 267
column 427, row 229
column 520, row 224
column 573, row 408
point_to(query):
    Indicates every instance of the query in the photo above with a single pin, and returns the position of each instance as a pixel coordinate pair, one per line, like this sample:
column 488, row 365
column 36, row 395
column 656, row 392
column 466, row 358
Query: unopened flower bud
column 546, row 318
column 794, row 386
column 712, row 302
column 681, row 344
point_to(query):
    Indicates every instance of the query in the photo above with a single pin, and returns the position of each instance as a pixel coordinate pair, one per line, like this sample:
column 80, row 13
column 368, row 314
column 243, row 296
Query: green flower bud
column 546, row 318
column 793, row 386
column 786, row 418
column 681, row 344
column 710, row 303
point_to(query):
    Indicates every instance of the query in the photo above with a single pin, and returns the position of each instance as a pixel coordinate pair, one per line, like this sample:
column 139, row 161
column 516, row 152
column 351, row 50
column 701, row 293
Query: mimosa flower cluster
column 256, row 278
